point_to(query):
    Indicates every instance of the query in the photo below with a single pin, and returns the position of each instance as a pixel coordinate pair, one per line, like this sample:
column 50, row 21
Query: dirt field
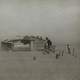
column 36, row 66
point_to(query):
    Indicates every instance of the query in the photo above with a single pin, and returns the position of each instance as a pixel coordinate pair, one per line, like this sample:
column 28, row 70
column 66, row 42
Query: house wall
column 38, row 44
column 35, row 45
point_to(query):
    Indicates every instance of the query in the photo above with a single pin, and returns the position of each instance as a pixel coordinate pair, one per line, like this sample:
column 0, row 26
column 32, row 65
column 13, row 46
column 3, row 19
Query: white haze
column 58, row 19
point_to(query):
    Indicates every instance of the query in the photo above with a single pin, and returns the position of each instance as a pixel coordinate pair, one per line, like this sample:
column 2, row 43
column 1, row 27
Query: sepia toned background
column 58, row 19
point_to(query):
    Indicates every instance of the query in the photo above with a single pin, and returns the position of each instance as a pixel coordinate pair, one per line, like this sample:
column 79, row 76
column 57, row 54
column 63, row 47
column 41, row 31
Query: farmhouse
column 27, row 43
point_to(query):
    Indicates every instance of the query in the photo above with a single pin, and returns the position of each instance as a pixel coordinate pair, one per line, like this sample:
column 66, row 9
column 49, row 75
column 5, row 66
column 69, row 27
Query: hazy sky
column 59, row 19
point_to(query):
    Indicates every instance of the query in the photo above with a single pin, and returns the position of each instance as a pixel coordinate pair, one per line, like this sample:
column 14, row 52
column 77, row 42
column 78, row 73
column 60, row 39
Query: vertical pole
column 32, row 47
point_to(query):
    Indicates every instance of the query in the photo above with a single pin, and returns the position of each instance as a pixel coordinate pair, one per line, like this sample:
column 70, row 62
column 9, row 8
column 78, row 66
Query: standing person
column 68, row 48
column 49, row 42
column 47, row 45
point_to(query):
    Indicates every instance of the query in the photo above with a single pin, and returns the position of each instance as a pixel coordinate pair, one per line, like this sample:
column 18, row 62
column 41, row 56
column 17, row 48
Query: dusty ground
column 21, row 66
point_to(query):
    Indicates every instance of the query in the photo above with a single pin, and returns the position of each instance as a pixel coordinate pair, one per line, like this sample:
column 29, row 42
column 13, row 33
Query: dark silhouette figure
column 68, row 48
column 57, row 56
column 47, row 45
column 34, row 58
column 49, row 42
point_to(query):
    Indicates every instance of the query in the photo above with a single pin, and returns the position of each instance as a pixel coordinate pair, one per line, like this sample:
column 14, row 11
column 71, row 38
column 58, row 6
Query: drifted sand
column 20, row 65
